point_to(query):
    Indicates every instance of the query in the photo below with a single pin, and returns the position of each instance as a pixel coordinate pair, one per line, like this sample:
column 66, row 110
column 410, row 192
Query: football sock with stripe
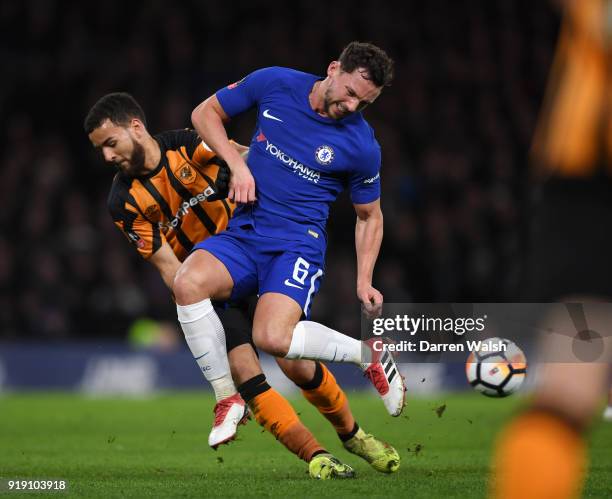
column 275, row 414
column 539, row 455
column 326, row 395
column 206, row 340
column 315, row 341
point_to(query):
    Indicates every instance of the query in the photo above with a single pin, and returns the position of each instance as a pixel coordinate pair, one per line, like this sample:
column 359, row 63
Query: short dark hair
column 119, row 107
column 373, row 59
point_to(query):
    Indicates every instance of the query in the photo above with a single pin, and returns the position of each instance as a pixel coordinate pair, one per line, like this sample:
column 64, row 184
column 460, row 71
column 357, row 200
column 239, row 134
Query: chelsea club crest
column 324, row 155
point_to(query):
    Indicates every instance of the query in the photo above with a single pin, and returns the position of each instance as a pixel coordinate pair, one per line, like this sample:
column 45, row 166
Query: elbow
column 373, row 215
column 207, row 112
column 197, row 114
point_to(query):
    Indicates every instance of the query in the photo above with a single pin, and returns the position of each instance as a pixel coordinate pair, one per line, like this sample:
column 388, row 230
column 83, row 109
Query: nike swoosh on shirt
column 203, row 355
column 267, row 114
column 289, row 283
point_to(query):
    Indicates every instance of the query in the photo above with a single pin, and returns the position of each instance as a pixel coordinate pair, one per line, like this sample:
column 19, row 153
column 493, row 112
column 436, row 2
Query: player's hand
column 371, row 301
column 242, row 185
column 222, row 180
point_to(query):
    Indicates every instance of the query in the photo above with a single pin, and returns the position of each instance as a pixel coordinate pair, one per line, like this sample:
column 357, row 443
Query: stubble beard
column 136, row 163
column 328, row 102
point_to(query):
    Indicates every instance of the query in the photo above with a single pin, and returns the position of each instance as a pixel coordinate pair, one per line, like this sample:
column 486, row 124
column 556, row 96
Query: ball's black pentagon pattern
column 495, row 390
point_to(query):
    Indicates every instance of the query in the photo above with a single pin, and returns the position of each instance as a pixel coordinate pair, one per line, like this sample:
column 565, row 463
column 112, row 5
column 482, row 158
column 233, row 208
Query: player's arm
column 204, row 157
column 242, row 150
column 166, row 263
column 145, row 235
column 209, row 120
column 368, row 237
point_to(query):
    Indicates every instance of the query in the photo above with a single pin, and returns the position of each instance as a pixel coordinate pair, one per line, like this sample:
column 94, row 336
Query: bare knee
column 189, row 286
column 201, row 276
column 273, row 338
column 275, row 318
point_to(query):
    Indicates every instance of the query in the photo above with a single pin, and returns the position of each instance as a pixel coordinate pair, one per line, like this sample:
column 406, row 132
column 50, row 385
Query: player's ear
column 137, row 127
column 333, row 68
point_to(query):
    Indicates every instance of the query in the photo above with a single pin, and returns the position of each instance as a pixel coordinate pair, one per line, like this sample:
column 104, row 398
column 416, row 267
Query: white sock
column 223, row 387
column 315, row 341
column 206, row 340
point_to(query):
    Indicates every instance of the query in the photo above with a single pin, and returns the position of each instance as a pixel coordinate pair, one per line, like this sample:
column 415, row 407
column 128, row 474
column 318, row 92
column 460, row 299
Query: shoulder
column 294, row 79
column 275, row 72
column 277, row 76
column 172, row 140
column 289, row 73
column 368, row 145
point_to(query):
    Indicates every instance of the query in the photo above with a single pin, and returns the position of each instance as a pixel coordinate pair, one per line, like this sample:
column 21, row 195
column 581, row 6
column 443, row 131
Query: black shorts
column 237, row 320
column 570, row 248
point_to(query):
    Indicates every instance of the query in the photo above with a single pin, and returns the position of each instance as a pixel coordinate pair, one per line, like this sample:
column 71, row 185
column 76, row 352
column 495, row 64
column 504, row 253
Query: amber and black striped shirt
column 169, row 204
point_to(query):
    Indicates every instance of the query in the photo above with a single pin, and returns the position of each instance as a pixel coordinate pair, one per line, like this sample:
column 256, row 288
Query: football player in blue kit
column 310, row 143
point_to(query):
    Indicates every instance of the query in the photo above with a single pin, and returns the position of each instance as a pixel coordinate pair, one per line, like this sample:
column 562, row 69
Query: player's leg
column 277, row 329
column 232, row 411
column 270, row 409
column 275, row 414
column 318, row 385
column 321, row 389
column 199, row 278
column 542, row 453
column 216, row 268
column 219, row 267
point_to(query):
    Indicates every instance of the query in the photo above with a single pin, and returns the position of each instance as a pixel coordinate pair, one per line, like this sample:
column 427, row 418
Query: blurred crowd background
column 454, row 128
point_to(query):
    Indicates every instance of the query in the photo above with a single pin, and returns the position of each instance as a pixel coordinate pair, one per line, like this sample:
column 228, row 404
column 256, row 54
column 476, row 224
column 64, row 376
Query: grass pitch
column 157, row 448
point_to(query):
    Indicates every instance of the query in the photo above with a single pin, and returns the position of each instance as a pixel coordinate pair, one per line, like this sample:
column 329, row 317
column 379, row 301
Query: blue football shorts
column 260, row 264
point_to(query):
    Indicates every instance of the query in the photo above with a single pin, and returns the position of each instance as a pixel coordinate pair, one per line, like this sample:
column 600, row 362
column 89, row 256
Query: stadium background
column 454, row 128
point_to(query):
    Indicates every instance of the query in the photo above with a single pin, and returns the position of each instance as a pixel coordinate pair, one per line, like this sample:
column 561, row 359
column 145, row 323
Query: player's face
column 347, row 92
column 120, row 147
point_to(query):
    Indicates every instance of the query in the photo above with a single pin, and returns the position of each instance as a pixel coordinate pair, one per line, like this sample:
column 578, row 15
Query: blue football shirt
column 300, row 160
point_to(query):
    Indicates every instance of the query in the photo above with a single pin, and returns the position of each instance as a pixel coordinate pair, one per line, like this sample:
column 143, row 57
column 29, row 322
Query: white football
column 497, row 368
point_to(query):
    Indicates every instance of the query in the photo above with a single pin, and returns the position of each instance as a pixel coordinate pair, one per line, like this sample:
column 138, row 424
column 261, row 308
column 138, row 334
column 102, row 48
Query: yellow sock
column 538, row 456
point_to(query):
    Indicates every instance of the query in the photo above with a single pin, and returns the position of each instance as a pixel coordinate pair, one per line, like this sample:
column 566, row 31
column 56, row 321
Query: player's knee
column 272, row 339
column 189, row 286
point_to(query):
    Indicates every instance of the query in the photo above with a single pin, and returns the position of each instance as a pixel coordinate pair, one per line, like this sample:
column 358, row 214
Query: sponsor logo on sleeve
column 136, row 239
column 372, row 179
